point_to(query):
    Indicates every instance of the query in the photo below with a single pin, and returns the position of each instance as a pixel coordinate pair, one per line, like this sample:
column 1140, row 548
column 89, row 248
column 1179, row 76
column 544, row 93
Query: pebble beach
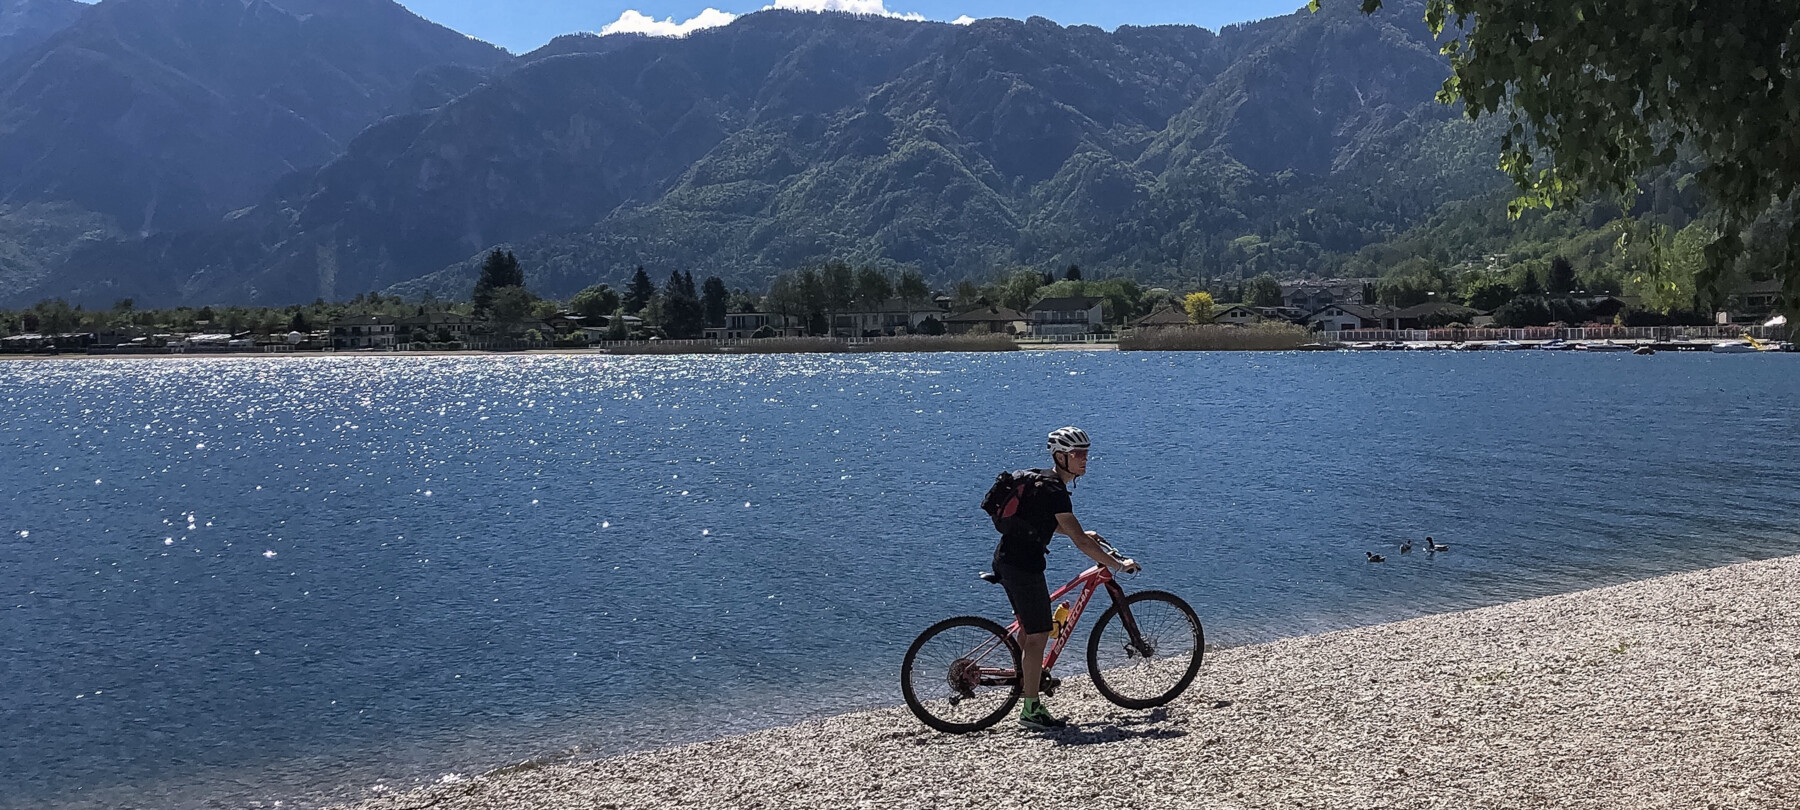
column 1675, row 692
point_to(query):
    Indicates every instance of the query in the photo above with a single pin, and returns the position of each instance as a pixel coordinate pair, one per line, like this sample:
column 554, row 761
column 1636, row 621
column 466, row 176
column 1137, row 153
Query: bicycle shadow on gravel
column 1152, row 726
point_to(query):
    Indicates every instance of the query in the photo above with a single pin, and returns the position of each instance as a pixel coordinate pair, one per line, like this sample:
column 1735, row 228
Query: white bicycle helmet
column 1064, row 439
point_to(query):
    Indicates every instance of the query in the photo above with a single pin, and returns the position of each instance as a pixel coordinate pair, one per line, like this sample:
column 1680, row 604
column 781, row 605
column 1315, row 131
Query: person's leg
column 1031, row 662
column 1030, row 597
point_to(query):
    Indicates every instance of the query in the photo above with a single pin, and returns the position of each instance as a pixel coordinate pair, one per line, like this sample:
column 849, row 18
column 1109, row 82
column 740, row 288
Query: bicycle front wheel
column 961, row 674
column 1159, row 664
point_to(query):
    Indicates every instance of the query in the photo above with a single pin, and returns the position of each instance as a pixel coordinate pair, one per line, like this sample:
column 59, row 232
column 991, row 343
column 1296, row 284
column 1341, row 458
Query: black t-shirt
column 1025, row 538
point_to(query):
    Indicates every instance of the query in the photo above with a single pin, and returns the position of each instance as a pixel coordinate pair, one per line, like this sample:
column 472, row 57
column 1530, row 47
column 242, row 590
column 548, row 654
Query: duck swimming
column 1406, row 547
column 1434, row 546
column 1373, row 557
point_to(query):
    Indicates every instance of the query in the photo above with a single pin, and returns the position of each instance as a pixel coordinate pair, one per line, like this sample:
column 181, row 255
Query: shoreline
column 1676, row 691
column 1695, row 347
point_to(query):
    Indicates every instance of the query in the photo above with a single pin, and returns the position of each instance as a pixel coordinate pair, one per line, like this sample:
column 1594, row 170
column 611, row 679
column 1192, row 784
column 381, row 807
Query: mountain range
column 277, row 151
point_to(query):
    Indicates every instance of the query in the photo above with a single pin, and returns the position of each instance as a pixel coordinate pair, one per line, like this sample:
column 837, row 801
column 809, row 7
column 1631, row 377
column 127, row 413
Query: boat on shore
column 1734, row 348
column 1607, row 346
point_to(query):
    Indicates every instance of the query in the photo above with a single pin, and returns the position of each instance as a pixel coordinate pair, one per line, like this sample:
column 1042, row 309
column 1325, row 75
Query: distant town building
column 891, row 317
column 430, row 326
column 1311, row 296
column 1238, row 314
column 1167, row 315
column 1753, row 303
column 1056, row 317
column 1339, row 317
column 990, row 319
column 363, row 332
column 747, row 324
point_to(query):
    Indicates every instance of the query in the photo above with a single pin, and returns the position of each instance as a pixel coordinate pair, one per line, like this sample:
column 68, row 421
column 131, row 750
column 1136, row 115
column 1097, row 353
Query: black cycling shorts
column 1030, row 597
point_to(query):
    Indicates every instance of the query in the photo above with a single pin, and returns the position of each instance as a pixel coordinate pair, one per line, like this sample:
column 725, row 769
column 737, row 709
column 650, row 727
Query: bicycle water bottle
column 1061, row 619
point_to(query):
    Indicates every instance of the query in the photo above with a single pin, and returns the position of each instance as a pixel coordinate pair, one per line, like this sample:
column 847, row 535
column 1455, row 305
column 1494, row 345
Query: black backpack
column 1009, row 491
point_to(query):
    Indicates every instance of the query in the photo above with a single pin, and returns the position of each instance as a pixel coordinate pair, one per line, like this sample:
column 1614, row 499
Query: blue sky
column 521, row 25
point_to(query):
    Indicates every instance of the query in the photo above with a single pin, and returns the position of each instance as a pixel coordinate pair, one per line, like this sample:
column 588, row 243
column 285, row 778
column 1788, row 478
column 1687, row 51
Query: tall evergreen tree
column 500, row 270
column 714, row 299
column 638, row 292
column 1530, row 288
column 1561, row 280
column 682, row 316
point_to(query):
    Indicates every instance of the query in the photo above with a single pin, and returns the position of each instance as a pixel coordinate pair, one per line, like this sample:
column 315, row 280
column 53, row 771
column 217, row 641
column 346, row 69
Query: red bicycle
column 962, row 674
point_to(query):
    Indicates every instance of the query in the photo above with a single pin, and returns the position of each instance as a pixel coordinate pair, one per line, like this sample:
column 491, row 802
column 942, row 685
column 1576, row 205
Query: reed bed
column 940, row 343
column 1262, row 337
column 814, row 345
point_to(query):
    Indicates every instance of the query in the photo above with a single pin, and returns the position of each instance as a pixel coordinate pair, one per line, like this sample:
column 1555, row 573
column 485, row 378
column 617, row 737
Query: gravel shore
column 1677, row 692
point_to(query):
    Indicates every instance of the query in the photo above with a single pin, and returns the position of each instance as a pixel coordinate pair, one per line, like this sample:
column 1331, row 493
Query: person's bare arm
column 1090, row 544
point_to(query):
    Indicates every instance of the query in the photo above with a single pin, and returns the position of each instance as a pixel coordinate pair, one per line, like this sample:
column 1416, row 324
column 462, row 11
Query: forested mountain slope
column 1167, row 152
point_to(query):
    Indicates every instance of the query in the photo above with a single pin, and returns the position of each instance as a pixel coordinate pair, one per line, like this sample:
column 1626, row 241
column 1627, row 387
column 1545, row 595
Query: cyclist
column 1044, row 511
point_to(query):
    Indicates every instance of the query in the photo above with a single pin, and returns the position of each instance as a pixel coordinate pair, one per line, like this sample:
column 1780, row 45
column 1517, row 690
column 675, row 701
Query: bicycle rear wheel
column 1150, row 674
column 961, row 674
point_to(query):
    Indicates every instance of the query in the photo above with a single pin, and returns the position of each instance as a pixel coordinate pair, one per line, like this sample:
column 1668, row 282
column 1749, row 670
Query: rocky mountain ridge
column 160, row 115
column 788, row 137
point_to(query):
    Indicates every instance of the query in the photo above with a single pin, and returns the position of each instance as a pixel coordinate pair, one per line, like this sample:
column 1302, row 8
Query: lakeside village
column 835, row 308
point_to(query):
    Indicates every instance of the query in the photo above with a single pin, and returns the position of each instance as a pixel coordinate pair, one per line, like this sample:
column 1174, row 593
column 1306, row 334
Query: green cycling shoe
column 1037, row 718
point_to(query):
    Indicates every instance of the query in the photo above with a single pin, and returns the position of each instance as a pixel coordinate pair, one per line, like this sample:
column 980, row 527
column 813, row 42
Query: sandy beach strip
column 1676, row 692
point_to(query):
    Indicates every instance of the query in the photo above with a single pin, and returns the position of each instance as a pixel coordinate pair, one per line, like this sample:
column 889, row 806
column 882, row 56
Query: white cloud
column 636, row 22
column 632, row 21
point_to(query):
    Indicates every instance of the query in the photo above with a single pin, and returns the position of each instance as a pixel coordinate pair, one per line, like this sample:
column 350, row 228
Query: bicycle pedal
column 1047, row 686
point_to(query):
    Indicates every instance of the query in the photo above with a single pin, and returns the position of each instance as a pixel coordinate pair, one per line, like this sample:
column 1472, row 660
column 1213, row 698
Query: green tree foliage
column 912, row 288
column 714, row 300
column 872, row 288
column 511, row 304
column 1020, row 288
column 638, row 292
column 1561, row 279
column 682, row 315
column 597, row 301
column 1668, row 282
column 615, row 326
column 1199, row 307
column 837, row 289
column 501, row 270
column 53, row 317
column 1599, row 94
column 931, row 326
column 1487, row 292
column 1525, row 310
column 1529, row 286
column 965, row 295
column 1413, row 282
column 1262, row 291
column 1073, row 273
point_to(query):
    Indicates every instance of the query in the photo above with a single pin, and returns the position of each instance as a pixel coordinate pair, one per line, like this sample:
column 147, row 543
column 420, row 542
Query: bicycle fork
column 1138, row 644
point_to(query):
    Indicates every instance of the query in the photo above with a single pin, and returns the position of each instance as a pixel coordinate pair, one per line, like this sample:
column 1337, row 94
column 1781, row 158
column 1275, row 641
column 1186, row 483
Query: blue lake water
column 230, row 582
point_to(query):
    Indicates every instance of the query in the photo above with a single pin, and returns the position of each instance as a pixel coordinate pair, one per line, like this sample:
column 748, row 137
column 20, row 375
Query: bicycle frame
column 1089, row 581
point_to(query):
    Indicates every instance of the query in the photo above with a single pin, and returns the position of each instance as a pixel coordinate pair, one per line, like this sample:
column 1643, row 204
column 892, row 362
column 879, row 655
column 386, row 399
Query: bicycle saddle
column 991, row 577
